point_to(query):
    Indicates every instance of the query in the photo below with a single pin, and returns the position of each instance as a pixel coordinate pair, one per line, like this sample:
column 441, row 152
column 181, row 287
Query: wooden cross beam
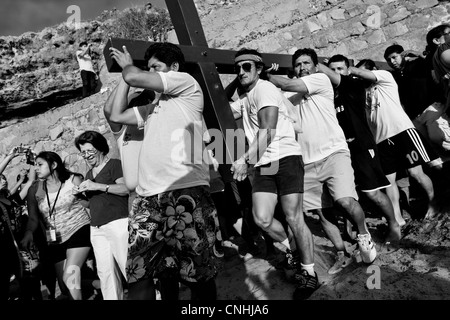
column 204, row 64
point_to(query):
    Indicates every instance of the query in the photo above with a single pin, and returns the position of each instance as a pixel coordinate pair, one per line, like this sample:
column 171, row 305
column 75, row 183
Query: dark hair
column 95, row 138
column 395, row 48
column 434, row 33
column 339, row 58
column 305, row 52
column 243, row 51
column 4, row 192
column 369, row 64
column 52, row 157
column 166, row 52
column 82, row 43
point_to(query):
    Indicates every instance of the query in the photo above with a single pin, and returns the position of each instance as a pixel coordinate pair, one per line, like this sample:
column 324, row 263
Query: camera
column 31, row 157
column 21, row 149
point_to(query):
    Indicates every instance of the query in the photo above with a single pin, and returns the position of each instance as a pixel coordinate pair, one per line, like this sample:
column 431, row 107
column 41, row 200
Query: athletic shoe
column 367, row 248
column 306, row 285
column 342, row 261
column 218, row 250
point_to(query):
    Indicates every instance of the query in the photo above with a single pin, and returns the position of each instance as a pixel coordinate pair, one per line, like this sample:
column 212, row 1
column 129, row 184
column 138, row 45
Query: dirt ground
column 416, row 270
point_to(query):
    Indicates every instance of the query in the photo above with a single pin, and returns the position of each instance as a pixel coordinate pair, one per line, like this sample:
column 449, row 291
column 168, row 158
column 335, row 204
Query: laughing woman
column 108, row 203
column 52, row 204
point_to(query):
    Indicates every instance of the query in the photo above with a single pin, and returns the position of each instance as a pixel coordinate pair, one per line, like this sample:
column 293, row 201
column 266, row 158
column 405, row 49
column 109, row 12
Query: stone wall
column 358, row 29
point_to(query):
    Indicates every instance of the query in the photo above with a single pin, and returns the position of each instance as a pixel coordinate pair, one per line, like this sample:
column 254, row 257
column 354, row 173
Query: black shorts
column 406, row 150
column 281, row 177
column 81, row 238
column 369, row 175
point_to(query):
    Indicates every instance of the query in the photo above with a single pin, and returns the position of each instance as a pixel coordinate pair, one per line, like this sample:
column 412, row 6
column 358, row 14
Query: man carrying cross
column 173, row 213
column 276, row 155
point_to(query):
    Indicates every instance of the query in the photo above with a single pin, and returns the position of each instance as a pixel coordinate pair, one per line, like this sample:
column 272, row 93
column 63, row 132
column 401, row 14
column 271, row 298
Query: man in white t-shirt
column 277, row 159
column 88, row 75
column 173, row 219
column 329, row 174
column 399, row 143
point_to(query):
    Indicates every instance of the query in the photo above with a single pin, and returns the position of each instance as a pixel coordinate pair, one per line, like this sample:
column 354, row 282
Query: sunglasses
column 246, row 66
column 86, row 153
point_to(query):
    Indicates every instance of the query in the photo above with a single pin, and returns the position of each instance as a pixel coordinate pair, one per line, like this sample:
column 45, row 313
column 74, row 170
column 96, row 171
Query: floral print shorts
column 172, row 234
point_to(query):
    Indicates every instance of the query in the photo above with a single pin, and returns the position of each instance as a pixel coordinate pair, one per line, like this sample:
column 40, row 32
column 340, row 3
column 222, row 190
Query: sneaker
column 306, row 285
column 342, row 261
column 367, row 248
column 218, row 250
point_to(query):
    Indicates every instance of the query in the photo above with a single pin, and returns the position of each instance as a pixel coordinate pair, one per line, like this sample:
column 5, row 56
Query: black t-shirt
column 350, row 102
column 416, row 87
column 106, row 207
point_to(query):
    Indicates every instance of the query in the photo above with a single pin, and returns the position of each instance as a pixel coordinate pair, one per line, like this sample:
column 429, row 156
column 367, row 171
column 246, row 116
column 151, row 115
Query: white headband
column 251, row 57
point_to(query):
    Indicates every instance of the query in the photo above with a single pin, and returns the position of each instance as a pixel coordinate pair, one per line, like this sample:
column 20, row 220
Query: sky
column 20, row 16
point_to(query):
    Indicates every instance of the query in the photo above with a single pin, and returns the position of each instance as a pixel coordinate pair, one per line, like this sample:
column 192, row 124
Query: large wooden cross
column 204, row 64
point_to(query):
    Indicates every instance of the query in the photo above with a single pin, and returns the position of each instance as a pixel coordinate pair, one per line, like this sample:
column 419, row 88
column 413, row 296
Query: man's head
column 304, row 62
column 438, row 35
column 248, row 65
column 339, row 64
column 83, row 44
column 367, row 64
column 164, row 57
column 393, row 57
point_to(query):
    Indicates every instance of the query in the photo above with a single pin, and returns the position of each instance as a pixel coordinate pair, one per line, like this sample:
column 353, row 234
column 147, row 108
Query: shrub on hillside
column 134, row 23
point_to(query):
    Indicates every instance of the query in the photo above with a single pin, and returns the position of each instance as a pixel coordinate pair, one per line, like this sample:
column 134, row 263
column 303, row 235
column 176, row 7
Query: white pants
column 110, row 244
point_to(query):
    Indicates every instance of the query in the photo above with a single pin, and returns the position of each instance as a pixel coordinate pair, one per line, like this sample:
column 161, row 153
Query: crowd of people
column 160, row 215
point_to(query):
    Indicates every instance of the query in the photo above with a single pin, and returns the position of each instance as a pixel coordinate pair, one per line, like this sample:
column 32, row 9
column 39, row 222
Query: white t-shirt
column 171, row 155
column 129, row 141
column 321, row 135
column 265, row 94
column 85, row 62
column 384, row 111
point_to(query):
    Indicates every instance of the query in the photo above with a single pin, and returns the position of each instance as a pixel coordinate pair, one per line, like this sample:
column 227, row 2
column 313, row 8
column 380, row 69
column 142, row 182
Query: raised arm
column 363, row 74
column 335, row 77
column 31, row 178
column 286, row 84
column 134, row 76
column 115, row 108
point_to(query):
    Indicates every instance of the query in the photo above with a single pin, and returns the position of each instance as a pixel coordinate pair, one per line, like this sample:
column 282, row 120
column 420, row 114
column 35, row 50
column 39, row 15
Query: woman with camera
column 12, row 225
column 64, row 219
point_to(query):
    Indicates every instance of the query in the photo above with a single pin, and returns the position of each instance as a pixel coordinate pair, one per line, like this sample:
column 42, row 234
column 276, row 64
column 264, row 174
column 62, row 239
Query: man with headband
column 276, row 156
column 329, row 177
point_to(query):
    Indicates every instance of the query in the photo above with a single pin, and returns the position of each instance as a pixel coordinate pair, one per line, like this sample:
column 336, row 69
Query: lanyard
column 48, row 200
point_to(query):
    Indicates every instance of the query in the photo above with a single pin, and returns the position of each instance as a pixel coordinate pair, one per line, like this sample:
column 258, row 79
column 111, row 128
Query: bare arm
column 267, row 119
column 363, row 74
column 286, row 84
column 335, row 77
column 116, row 104
column 134, row 76
column 119, row 188
column 31, row 178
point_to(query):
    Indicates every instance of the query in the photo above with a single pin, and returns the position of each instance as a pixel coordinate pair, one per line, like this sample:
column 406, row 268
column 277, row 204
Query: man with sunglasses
column 329, row 176
column 277, row 158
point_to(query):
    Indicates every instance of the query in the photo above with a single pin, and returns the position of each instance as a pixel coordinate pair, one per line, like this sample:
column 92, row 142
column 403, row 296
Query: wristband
column 107, row 188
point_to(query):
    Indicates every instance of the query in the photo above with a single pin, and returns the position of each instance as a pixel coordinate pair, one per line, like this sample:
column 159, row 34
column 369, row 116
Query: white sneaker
column 367, row 248
column 342, row 261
